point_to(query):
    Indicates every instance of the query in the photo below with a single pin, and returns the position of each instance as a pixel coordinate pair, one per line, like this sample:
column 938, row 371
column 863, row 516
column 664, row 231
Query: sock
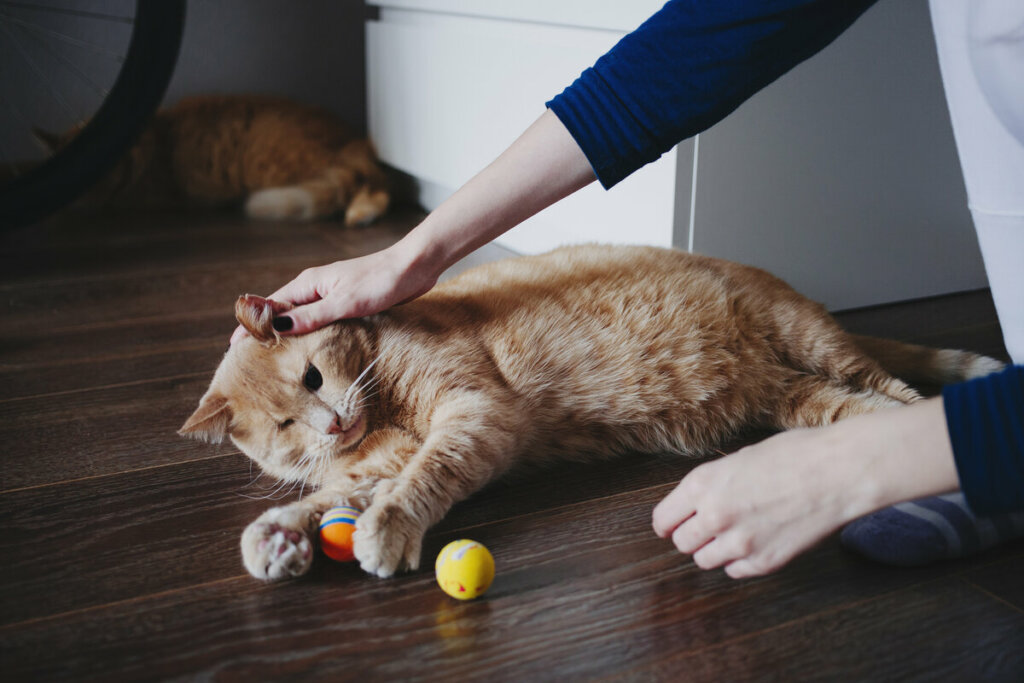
column 927, row 530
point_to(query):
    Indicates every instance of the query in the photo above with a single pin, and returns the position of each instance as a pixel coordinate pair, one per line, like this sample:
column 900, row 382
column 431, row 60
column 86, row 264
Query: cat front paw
column 275, row 548
column 387, row 538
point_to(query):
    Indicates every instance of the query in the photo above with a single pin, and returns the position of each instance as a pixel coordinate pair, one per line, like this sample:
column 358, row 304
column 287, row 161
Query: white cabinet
column 448, row 92
column 841, row 177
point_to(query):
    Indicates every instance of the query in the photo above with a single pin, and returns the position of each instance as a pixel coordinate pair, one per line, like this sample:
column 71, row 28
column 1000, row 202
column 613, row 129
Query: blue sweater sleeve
column 985, row 417
column 685, row 69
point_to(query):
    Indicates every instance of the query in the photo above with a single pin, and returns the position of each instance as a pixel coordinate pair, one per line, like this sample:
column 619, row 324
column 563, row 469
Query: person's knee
column 996, row 47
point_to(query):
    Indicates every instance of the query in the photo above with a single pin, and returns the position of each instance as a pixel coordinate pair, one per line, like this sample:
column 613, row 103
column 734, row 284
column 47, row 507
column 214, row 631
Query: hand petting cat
column 348, row 289
column 541, row 167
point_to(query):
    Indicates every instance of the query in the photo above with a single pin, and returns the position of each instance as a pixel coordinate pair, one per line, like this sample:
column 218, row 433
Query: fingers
column 688, row 538
column 312, row 316
column 742, row 569
column 673, row 510
column 301, row 290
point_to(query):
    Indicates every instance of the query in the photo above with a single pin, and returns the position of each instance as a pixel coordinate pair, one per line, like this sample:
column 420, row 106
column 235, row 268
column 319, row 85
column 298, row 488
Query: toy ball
column 336, row 528
column 464, row 569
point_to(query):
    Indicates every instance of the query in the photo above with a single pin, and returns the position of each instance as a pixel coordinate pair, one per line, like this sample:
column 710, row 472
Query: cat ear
column 50, row 141
column 211, row 420
column 256, row 314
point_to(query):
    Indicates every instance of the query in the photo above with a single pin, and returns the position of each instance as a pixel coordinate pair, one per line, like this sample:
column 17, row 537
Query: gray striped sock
column 929, row 529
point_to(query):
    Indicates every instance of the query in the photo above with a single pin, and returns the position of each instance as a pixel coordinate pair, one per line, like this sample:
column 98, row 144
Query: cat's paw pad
column 387, row 539
column 281, row 203
column 273, row 552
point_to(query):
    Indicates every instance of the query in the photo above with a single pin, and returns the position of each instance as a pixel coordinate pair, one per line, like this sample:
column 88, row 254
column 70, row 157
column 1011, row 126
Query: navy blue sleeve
column 985, row 417
column 685, row 69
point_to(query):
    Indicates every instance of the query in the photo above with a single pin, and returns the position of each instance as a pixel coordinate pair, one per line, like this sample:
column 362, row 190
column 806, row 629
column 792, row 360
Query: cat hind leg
column 815, row 401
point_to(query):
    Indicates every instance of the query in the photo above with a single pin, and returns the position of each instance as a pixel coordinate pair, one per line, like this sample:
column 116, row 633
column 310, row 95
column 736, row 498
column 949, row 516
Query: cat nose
column 335, row 427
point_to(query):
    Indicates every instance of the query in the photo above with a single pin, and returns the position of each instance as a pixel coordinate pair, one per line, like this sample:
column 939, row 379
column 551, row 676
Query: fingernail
column 283, row 323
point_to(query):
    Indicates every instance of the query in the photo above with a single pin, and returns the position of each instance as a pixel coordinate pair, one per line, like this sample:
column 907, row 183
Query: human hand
column 348, row 289
column 755, row 510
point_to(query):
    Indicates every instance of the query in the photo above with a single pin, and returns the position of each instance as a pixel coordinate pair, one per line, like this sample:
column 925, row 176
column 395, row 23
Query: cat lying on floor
column 582, row 353
column 284, row 160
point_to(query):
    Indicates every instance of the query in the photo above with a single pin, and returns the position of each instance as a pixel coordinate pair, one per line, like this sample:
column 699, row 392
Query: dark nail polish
column 283, row 323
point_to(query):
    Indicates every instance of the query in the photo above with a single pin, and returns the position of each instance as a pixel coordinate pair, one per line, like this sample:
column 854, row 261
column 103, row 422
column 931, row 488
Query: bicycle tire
column 134, row 97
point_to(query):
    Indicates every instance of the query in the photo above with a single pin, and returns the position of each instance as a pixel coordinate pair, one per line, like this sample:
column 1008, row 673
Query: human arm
column 985, row 422
column 755, row 510
column 541, row 167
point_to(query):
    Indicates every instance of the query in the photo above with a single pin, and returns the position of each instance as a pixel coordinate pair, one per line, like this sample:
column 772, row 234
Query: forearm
column 541, row 167
column 909, row 457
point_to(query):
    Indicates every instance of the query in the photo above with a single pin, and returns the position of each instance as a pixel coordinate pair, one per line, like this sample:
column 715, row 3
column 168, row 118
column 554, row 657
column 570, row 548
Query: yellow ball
column 464, row 569
column 336, row 528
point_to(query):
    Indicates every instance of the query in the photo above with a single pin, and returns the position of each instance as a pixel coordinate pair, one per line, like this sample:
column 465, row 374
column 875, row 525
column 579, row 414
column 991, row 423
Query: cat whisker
column 355, row 384
column 372, row 384
column 251, row 480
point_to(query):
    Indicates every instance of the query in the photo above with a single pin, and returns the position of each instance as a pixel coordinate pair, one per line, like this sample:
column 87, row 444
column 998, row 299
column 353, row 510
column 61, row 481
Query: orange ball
column 336, row 529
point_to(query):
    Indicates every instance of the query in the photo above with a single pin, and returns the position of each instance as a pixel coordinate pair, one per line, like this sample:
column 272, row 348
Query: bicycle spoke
column 98, row 89
column 70, row 12
column 26, row 124
column 42, row 76
column 15, row 172
column 119, row 58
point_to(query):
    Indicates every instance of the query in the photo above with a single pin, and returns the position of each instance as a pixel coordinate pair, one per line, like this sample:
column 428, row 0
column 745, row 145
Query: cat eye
column 287, row 423
column 313, row 379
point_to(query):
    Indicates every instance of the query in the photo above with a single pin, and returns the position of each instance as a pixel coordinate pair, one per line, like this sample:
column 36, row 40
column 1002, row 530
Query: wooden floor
column 120, row 539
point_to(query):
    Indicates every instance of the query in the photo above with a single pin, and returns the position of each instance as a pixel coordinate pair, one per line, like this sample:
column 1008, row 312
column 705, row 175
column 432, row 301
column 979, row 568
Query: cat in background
column 583, row 353
column 282, row 159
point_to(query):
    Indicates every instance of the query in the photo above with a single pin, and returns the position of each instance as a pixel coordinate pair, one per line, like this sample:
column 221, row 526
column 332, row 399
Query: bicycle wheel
column 57, row 55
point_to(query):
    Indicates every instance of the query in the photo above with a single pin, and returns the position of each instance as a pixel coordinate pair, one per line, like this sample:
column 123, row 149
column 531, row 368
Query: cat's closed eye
column 313, row 379
column 287, row 423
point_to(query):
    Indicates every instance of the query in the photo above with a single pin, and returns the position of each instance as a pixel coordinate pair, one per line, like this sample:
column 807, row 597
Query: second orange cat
column 282, row 159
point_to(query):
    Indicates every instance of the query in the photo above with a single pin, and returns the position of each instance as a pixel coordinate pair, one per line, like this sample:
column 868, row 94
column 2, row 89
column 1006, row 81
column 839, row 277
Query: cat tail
column 356, row 185
column 924, row 365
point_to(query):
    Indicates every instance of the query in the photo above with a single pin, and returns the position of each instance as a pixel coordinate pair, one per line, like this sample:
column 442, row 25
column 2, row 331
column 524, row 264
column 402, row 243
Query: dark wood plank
column 1003, row 579
column 581, row 590
column 112, row 245
column 120, row 545
column 75, row 335
column 943, row 630
column 51, row 438
column 964, row 321
column 182, row 524
column 36, row 362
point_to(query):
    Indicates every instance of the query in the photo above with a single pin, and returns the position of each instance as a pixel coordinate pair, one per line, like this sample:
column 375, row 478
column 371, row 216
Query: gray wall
column 311, row 50
column 842, row 177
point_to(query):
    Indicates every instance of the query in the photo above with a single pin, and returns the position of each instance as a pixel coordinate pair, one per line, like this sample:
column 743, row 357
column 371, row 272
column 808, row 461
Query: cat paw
column 273, row 549
column 281, row 203
column 366, row 208
column 387, row 538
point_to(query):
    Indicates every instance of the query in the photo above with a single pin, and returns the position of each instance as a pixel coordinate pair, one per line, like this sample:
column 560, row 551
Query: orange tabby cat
column 582, row 353
column 285, row 160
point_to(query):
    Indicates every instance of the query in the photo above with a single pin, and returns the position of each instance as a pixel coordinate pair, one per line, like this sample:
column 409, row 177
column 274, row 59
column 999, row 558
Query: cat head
column 293, row 404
